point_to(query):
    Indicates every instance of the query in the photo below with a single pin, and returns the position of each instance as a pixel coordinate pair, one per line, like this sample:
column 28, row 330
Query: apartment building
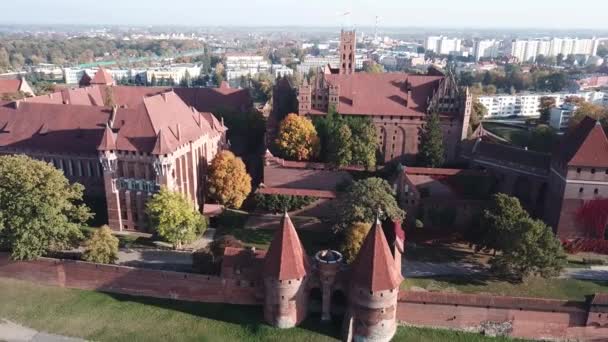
column 443, row 45
column 486, row 48
column 529, row 104
column 526, row 50
column 244, row 65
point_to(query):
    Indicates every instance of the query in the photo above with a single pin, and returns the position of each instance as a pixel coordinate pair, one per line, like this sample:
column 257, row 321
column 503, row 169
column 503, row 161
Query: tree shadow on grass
column 249, row 317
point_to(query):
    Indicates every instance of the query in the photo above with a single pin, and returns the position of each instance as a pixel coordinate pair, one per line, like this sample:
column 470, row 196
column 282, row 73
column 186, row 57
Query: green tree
column 546, row 103
column 353, row 239
column 373, row 68
column 478, row 112
column 543, row 139
column 362, row 200
column 534, row 250
column 431, row 152
column 174, row 218
column 340, row 146
column 102, row 247
column 39, row 209
column 364, row 142
column 499, row 222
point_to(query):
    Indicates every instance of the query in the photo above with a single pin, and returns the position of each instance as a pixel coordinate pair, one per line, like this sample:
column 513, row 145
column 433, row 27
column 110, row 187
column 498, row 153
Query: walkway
column 420, row 269
column 13, row 332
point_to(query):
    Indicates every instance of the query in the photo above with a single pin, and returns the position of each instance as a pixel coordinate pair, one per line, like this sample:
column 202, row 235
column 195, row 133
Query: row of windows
column 593, row 171
column 76, row 168
column 596, row 191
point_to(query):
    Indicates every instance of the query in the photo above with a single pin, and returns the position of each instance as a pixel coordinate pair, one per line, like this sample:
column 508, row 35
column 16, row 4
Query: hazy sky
column 425, row 13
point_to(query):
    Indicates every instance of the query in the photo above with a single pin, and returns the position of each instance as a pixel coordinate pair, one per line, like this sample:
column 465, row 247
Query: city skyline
column 392, row 13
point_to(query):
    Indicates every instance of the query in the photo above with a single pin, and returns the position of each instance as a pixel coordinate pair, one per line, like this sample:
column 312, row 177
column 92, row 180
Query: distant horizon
column 439, row 14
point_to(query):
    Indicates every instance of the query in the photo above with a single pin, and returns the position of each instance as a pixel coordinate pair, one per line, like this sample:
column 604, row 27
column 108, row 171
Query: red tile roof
column 102, row 77
column 161, row 146
column 286, row 258
column 9, row 86
column 137, row 128
column 52, row 128
column 384, row 94
column 585, row 146
column 374, row 268
column 108, row 141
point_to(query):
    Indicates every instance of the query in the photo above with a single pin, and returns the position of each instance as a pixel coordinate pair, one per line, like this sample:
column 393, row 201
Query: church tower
column 348, row 46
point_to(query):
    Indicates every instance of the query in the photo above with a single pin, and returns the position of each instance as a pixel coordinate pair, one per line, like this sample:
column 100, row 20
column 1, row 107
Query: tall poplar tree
column 431, row 153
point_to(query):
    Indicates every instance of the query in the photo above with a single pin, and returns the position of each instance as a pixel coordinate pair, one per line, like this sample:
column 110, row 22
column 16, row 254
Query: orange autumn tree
column 229, row 183
column 297, row 138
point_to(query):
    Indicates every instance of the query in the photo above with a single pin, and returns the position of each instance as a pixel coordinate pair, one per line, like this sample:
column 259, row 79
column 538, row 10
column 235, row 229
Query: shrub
column 218, row 246
column 280, row 203
column 353, row 239
column 102, row 247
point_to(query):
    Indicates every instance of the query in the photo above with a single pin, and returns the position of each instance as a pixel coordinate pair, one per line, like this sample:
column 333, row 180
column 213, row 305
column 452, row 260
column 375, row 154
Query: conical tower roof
column 108, row 142
column 374, row 268
column 102, row 77
column 286, row 258
column 161, row 146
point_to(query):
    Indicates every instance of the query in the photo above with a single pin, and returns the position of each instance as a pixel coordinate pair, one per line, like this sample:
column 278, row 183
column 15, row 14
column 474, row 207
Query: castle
column 397, row 103
column 287, row 276
column 123, row 143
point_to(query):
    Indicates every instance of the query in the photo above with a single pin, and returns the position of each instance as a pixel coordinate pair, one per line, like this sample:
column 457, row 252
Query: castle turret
column 328, row 264
column 374, row 291
column 304, row 98
column 286, row 273
column 108, row 159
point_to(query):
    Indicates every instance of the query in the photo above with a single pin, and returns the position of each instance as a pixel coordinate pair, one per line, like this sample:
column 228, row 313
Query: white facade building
column 313, row 63
column 529, row 104
column 560, row 116
column 443, row 45
column 281, row 70
column 487, row 48
column 239, row 65
column 72, row 75
column 528, row 49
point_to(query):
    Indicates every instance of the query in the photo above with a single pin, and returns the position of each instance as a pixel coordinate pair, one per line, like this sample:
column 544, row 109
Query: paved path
column 599, row 273
column 419, row 269
column 13, row 332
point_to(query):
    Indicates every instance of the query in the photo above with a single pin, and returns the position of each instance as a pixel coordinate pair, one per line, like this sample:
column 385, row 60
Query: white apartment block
column 241, row 65
column 281, row 70
column 176, row 72
column 529, row 104
column 487, row 48
column 443, row 45
column 528, row 50
column 560, row 116
column 72, row 75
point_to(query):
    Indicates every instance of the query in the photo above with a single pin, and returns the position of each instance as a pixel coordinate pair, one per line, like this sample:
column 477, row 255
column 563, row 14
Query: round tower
column 286, row 272
column 328, row 264
column 374, row 291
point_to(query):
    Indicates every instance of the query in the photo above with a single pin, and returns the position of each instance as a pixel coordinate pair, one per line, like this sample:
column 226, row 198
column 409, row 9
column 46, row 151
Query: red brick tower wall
column 348, row 46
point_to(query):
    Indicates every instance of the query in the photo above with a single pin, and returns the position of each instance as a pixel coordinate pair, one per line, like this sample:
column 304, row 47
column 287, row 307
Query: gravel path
column 13, row 332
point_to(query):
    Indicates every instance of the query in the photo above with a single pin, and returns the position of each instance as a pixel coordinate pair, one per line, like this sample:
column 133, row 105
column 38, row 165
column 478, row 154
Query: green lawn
column 232, row 222
column 536, row 287
column 111, row 317
column 516, row 135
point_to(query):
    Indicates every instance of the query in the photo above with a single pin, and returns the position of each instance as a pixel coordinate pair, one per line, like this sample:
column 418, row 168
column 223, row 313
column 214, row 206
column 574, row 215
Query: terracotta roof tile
column 67, row 128
column 286, row 258
column 384, row 94
column 9, row 86
column 161, row 146
column 374, row 268
column 102, row 77
column 108, row 141
column 586, row 145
